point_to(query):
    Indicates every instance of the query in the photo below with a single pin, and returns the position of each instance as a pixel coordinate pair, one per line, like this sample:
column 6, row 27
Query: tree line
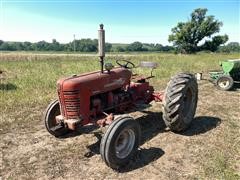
column 197, row 34
column 91, row 45
column 82, row 45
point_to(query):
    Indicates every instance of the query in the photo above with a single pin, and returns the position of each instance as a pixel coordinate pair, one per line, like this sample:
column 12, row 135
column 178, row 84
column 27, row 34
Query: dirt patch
column 32, row 153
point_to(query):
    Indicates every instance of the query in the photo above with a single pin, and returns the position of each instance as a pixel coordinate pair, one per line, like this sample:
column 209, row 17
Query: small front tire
column 120, row 142
column 225, row 82
column 49, row 118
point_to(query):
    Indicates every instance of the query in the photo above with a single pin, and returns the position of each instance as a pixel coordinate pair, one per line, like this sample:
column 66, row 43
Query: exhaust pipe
column 101, row 46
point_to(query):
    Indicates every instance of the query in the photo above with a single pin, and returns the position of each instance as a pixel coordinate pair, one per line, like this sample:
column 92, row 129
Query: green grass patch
column 30, row 79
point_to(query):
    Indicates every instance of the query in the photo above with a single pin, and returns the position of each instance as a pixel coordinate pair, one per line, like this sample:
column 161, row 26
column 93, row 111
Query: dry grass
column 209, row 149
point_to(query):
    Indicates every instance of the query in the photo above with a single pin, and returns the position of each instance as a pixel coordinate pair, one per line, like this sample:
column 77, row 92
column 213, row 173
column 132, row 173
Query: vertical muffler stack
column 101, row 45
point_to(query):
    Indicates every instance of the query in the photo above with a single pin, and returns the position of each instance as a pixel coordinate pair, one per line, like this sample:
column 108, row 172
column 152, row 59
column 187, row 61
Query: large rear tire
column 51, row 125
column 180, row 101
column 120, row 142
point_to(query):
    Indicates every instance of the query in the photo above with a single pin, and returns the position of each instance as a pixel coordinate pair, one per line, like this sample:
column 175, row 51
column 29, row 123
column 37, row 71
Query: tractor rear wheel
column 120, row 142
column 54, row 128
column 180, row 101
column 224, row 82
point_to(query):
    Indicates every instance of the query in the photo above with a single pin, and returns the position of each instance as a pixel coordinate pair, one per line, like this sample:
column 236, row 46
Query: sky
column 125, row 21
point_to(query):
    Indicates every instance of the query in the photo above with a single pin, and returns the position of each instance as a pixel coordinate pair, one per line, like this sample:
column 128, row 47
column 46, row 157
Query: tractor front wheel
column 180, row 101
column 120, row 142
column 54, row 128
column 224, row 82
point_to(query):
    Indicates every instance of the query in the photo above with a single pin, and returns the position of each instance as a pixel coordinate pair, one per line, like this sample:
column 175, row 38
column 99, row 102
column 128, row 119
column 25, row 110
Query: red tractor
column 99, row 97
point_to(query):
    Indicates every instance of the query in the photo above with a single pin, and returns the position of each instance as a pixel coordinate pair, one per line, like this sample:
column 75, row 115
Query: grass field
column 210, row 149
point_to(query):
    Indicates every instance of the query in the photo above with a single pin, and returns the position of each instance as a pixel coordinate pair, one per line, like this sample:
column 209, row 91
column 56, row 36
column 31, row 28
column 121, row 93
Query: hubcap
column 124, row 143
column 223, row 83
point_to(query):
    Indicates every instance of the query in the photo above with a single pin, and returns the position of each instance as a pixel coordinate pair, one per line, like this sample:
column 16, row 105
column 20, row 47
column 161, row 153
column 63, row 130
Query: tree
column 27, row 46
column 6, row 46
column 158, row 47
column 55, row 46
column 18, row 46
column 215, row 43
column 108, row 47
column 86, row 45
column 42, row 46
column 234, row 46
column 230, row 47
column 67, row 47
column 118, row 48
column 136, row 46
column 187, row 35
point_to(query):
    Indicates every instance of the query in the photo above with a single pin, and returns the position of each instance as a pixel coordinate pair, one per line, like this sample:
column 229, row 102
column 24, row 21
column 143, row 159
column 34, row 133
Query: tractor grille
column 72, row 103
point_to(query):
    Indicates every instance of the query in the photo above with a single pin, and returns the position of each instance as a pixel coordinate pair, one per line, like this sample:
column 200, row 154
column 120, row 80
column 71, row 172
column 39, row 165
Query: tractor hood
column 74, row 92
column 96, row 82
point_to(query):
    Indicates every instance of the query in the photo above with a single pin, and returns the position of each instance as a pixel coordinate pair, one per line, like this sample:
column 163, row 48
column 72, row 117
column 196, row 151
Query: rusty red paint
column 158, row 96
column 84, row 86
column 85, row 98
column 105, row 121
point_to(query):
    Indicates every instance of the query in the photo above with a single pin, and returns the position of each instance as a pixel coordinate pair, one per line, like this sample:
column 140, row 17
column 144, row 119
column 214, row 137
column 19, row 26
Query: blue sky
column 125, row 21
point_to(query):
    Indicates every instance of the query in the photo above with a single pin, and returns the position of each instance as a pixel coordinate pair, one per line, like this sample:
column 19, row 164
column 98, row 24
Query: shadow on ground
column 81, row 130
column 236, row 86
column 7, row 86
column 202, row 124
column 143, row 158
column 151, row 125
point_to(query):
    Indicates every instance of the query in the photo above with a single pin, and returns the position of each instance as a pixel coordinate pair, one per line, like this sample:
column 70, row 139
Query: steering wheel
column 121, row 63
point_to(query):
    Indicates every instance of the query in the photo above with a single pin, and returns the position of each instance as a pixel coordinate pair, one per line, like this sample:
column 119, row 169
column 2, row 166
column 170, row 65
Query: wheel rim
column 223, row 83
column 52, row 115
column 124, row 143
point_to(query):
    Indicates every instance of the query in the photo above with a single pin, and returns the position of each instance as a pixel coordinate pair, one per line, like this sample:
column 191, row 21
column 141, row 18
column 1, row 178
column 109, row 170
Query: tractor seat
column 147, row 64
column 144, row 64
